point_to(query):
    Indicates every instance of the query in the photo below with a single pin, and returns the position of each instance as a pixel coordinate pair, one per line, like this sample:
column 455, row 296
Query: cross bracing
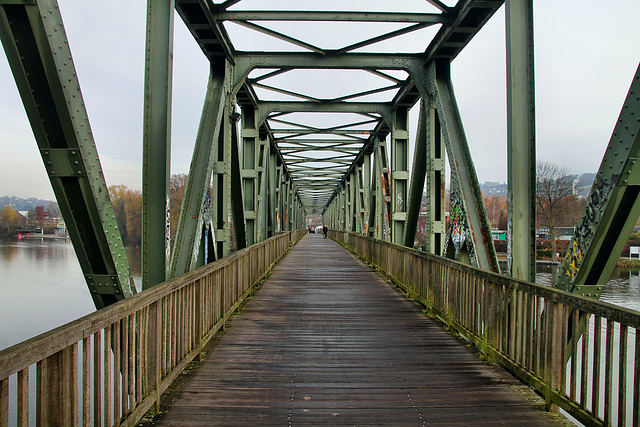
column 306, row 111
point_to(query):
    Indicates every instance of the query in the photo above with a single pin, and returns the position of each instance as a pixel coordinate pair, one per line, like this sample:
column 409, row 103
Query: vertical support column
column 418, row 173
column 435, row 221
column 222, row 185
column 382, row 193
column 521, row 148
column 157, row 142
column 399, row 173
column 249, row 173
column 263, row 191
column 278, row 199
column 271, row 192
column 237, row 202
column 368, row 205
column 359, row 212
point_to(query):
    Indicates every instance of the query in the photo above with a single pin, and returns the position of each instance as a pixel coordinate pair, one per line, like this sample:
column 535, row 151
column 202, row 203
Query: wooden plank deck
column 328, row 341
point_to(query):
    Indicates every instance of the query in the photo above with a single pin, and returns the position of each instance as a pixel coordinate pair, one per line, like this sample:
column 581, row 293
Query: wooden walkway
column 328, row 341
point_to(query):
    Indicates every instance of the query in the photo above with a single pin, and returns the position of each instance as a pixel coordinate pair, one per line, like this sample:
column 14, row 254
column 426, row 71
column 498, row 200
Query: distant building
column 499, row 234
column 61, row 229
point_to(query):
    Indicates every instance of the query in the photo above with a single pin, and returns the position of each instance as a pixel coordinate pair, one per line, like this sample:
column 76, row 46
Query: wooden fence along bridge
column 325, row 340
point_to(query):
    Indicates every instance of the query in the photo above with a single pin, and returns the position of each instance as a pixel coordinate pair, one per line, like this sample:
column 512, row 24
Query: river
column 41, row 287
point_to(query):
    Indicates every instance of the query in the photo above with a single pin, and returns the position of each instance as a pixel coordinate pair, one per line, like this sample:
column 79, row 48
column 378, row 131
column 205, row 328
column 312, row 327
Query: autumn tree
column 9, row 220
column 496, row 207
column 553, row 186
column 127, row 208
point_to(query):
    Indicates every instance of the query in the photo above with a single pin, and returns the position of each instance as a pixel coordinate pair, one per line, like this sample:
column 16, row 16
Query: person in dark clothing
column 324, row 231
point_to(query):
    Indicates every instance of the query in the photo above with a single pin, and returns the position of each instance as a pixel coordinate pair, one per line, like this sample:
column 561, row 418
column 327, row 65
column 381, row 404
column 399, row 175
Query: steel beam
column 249, row 164
column 612, row 208
column 281, row 15
column 37, row 48
column 190, row 232
column 462, row 167
column 399, row 173
column 521, row 143
column 237, row 192
column 156, row 151
column 418, row 174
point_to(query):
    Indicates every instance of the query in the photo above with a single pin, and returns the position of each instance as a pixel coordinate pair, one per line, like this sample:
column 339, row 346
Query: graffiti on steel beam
column 584, row 232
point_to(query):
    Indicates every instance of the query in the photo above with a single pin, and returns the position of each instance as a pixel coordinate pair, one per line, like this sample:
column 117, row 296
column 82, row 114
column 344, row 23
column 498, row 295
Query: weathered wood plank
column 327, row 341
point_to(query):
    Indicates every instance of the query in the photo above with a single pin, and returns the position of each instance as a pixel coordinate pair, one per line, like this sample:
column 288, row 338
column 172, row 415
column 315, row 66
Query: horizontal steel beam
column 280, row 15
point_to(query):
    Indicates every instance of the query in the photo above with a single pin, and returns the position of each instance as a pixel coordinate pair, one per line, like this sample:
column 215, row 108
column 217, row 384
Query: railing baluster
column 4, row 402
column 585, row 360
column 116, row 371
column 107, row 376
column 597, row 350
column 97, row 378
column 636, row 382
column 574, row 353
column 622, row 376
column 608, row 377
column 23, row 398
column 86, row 381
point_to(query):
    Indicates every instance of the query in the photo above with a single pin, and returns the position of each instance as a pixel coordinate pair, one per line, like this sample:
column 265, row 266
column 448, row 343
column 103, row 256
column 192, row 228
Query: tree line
column 127, row 207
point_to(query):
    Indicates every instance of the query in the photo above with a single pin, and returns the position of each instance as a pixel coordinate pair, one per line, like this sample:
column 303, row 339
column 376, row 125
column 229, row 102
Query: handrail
column 527, row 328
column 110, row 367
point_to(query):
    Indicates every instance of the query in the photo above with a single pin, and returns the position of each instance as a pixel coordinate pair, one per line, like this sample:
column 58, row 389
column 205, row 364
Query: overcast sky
column 586, row 55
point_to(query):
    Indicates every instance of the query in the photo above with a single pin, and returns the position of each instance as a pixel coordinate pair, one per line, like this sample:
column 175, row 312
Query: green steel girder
column 156, row 151
column 399, row 173
column 521, row 144
column 268, row 108
column 428, row 162
column 470, row 196
column 277, row 15
column 612, row 208
column 190, row 234
column 36, row 45
column 236, row 188
column 418, row 174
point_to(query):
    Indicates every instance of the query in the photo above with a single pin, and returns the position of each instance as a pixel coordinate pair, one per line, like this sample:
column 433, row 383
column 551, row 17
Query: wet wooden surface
column 327, row 341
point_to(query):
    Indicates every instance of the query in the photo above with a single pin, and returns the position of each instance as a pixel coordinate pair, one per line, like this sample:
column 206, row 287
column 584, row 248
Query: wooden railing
column 527, row 328
column 110, row 367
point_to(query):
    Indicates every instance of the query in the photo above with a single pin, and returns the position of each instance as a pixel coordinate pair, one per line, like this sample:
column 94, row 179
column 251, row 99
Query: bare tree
column 552, row 185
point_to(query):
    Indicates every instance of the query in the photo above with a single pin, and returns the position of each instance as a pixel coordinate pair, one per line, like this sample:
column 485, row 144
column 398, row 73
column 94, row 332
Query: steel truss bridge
column 260, row 166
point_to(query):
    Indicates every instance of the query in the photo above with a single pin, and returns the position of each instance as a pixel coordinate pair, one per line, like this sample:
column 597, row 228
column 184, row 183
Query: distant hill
column 581, row 185
column 494, row 188
column 19, row 204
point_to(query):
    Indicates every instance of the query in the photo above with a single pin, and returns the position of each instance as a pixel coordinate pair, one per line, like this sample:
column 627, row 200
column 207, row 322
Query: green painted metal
column 277, row 15
column 156, row 151
column 399, row 173
column 237, row 192
column 263, row 201
column 190, row 234
column 418, row 174
column 38, row 51
column 521, row 143
column 249, row 165
column 469, row 198
column 612, row 208
column 435, row 221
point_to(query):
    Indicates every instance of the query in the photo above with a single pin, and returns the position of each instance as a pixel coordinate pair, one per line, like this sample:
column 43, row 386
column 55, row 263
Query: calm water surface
column 42, row 287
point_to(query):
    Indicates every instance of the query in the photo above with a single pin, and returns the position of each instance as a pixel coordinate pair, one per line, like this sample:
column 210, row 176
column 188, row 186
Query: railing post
column 554, row 359
column 153, row 350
